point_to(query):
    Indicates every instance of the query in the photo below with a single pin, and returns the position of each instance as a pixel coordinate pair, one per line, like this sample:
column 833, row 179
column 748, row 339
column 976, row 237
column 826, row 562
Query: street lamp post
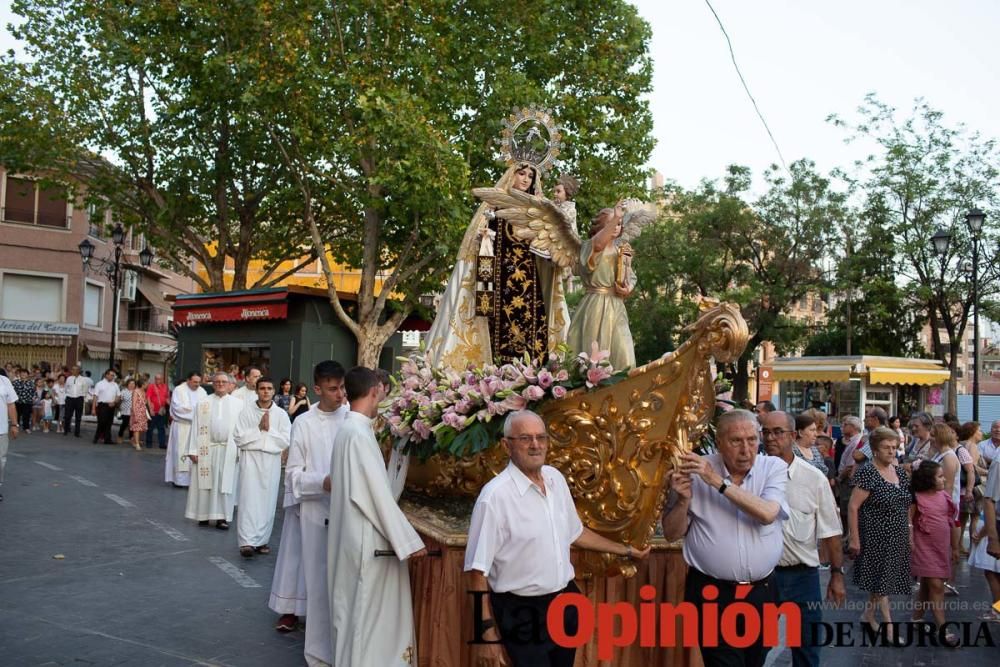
column 113, row 269
column 974, row 219
column 939, row 243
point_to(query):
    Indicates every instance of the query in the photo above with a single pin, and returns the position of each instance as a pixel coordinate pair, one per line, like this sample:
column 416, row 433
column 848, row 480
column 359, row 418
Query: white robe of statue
column 458, row 337
column 308, row 465
column 213, row 478
column 182, row 404
column 371, row 613
column 260, row 471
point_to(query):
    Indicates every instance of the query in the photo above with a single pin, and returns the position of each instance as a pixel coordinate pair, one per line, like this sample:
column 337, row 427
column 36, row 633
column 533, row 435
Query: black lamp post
column 974, row 219
column 112, row 268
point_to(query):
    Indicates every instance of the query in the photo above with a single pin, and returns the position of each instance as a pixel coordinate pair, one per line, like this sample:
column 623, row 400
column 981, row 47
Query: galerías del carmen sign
column 46, row 328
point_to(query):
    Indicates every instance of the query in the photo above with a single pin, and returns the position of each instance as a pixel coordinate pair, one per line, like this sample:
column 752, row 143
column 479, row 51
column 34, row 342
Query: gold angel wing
column 637, row 215
column 537, row 221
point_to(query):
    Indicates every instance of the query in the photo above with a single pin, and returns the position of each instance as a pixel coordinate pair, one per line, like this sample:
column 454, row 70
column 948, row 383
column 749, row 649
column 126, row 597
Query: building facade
column 52, row 309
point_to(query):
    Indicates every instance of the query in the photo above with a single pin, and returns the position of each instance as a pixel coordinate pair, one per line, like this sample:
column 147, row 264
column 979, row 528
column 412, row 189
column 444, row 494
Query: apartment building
column 55, row 310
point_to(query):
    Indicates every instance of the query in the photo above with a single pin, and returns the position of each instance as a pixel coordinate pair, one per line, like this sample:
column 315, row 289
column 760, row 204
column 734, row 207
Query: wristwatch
column 839, row 569
column 725, row 485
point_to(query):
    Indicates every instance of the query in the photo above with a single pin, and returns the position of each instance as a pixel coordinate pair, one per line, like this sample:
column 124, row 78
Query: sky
column 802, row 60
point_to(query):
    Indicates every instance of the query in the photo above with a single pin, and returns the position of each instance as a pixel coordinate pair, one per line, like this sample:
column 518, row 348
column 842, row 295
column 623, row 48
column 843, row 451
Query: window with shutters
column 26, row 201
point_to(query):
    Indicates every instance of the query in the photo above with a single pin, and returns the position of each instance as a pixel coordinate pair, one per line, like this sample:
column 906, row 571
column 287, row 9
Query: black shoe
column 1, row 497
column 203, row 523
column 221, row 524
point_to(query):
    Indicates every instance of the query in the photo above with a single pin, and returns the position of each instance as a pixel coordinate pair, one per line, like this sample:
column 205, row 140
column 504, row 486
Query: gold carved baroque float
column 617, row 444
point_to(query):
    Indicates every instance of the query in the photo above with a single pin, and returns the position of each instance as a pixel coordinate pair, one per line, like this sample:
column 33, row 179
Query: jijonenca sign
column 46, row 328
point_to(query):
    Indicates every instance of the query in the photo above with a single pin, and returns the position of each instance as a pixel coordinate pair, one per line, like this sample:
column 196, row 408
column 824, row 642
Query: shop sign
column 765, row 383
column 256, row 311
column 45, row 328
column 411, row 339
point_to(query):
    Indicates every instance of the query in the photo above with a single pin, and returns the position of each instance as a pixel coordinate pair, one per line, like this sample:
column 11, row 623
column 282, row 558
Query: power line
column 732, row 55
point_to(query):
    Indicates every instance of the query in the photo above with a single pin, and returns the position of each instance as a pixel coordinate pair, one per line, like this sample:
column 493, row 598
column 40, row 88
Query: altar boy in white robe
column 212, row 452
column 371, row 614
column 307, row 475
column 183, row 401
column 262, row 432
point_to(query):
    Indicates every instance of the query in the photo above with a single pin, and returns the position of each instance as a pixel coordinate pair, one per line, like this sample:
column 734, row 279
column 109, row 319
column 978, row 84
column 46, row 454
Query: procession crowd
column 894, row 502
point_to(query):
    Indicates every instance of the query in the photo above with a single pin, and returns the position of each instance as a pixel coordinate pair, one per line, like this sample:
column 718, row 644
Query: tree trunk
column 953, row 383
column 370, row 344
column 741, row 379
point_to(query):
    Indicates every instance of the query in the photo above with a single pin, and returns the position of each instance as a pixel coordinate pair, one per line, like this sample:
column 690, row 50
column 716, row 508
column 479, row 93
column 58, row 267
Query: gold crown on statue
column 530, row 135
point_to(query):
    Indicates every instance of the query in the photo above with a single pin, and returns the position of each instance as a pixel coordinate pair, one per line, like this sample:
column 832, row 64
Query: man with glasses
column 812, row 516
column 728, row 507
column 990, row 447
column 522, row 527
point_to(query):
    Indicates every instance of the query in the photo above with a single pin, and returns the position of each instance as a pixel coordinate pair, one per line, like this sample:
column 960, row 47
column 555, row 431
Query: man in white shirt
column 522, row 527
column 8, row 422
column 212, row 450
column 77, row 389
column 990, row 447
column 106, row 394
column 185, row 398
column 262, row 433
column 812, row 516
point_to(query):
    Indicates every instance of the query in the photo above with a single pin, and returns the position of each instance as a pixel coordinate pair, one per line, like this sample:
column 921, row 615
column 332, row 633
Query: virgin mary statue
column 502, row 300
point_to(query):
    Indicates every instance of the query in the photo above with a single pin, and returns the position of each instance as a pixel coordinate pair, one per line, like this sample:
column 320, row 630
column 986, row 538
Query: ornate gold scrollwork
column 617, row 445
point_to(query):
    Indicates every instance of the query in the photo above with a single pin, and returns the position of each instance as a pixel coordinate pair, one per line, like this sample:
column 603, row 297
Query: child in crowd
column 933, row 544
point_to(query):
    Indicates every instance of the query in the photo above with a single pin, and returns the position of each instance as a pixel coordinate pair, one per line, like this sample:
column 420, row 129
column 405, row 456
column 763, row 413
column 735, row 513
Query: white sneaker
column 950, row 590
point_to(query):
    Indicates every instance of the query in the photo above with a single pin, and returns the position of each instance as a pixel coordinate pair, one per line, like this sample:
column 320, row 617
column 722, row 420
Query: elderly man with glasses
column 812, row 516
column 522, row 527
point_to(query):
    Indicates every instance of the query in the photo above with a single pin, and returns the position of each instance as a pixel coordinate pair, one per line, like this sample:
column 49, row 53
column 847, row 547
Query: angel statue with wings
column 604, row 262
column 504, row 299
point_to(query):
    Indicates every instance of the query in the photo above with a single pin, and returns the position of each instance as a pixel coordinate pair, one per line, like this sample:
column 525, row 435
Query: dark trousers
column 123, row 429
column 522, row 624
column 74, row 406
column 723, row 655
column 23, row 416
column 158, row 422
column 105, row 416
column 801, row 586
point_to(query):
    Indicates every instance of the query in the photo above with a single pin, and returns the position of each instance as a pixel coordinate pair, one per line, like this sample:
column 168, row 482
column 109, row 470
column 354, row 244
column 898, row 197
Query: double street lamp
column 974, row 220
column 112, row 267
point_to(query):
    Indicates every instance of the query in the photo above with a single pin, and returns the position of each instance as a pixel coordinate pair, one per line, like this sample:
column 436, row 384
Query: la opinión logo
column 740, row 625
column 652, row 625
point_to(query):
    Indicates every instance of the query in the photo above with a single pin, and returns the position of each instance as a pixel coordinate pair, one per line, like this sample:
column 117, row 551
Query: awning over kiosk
column 811, row 372
column 268, row 304
column 925, row 376
column 877, row 370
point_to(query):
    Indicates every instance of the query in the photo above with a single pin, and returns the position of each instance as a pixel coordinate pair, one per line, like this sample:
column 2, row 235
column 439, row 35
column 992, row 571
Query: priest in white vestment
column 371, row 613
column 183, row 401
column 262, row 432
column 247, row 392
column 212, row 452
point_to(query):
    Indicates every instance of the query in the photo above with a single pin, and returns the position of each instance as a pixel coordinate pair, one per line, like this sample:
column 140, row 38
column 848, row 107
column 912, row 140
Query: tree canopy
column 386, row 119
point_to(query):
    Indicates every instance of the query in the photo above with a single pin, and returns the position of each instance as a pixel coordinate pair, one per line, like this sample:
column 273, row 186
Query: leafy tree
column 875, row 310
column 144, row 104
column 762, row 255
column 927, row 175
column 396, row 112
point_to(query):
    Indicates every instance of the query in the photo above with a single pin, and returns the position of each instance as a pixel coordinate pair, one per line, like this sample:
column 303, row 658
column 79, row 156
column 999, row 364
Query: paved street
column 140, row 585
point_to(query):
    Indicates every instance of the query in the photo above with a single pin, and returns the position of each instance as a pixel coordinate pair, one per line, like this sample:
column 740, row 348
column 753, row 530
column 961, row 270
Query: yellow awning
column 907, row 376
column 807, row 374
